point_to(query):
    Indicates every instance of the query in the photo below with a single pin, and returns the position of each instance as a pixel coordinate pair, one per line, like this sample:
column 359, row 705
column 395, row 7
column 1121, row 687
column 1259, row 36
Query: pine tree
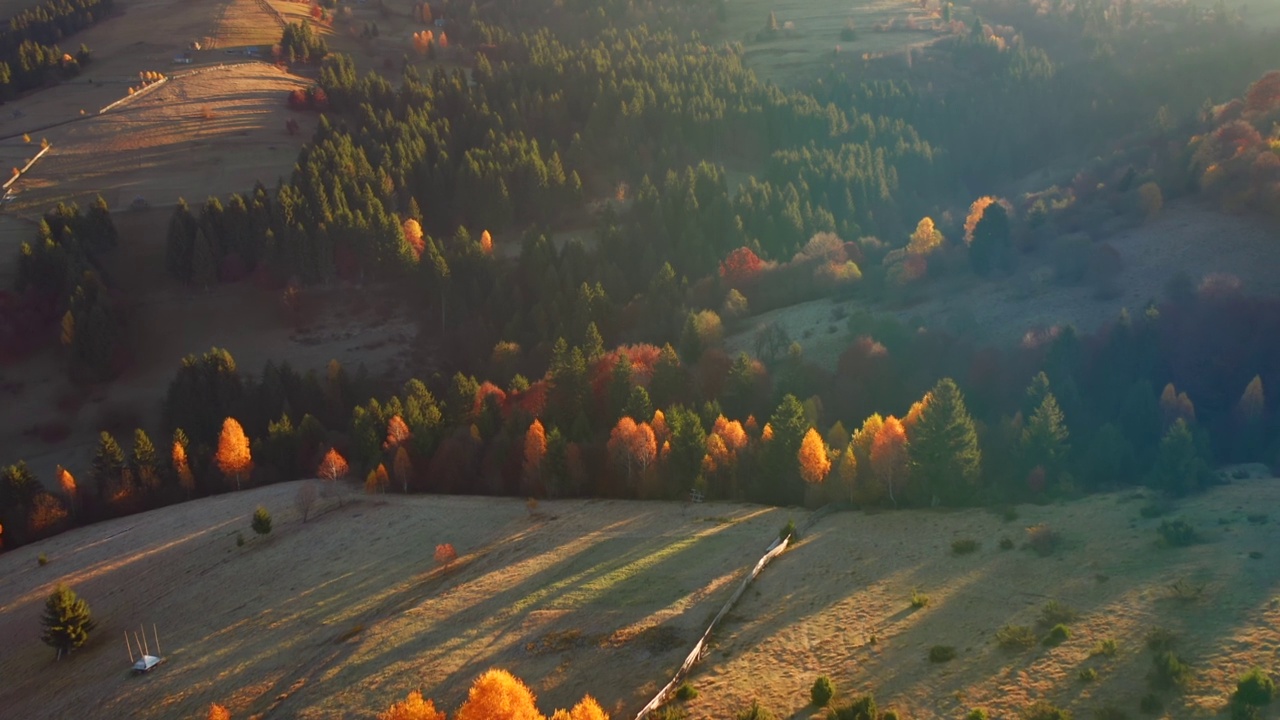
column 944, row 454
column 1044, row 439
column 668, row 384
column 261, row 522
column 204, row 263
column 620, row 384
column 638, row 403
column 108, row 465
column 1180, row 469
column 144, row 462
column 67, row 621
column 992, row 245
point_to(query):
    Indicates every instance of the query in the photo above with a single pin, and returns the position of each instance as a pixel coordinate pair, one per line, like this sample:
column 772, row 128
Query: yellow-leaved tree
column 413, row 708
column 233, row 458
column 814, row 463
column 499, row 695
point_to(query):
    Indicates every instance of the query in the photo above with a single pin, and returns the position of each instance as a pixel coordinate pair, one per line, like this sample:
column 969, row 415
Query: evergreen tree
column 688, row 445
column 638, row 406
column 780, row 480
column 620, row 384
column 108, row 466
column 992, row 246
column 144, row 461
column 179, row 253
column 67, row 621
column 669, row 380
column 204, row 262
column 1109, row 461
column 1044, row 439
column 1180, row 468
column 944, row 455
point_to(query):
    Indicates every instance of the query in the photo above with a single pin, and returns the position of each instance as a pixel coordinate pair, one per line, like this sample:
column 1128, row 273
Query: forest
column 600, row 368
column 29, row 52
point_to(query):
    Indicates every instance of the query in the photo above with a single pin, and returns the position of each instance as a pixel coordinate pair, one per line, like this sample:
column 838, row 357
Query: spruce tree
column 204, row 263
column 638, row 407
column 668, row 384
column 144, row 461
column 1180, row 468
column 781, row 484
column 992, row 246
column 108, row 465
column 620, row 383
column 944, row 454
column 1044, row 439
column 67, row 621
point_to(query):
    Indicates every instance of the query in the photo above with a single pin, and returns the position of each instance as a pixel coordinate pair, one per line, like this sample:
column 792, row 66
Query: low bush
column 1161, row 639
column 1254, row 688
column 261, row 522
column 686, row 692
column 1255, row 555
column 1042, row 710
column 1056, row 613
column 1042, row 539
column 889, row 715
column 1057, row 635
column 864, row 708
column 822, row 691
column 669, row 712
column 1015, row 637
column 1177, row 533
column 755, row 712
column 1088, row 674
column 1110, row 712
column 42, row 559
column 1006, row 543
column 1168, row 670
column 1241, row 711
column 1106, row 647
column 964, row 546
column 941, row 653
column 918, row 599
column 976, row 714
column 1151, row 704
column 787, row 530
column 1157, row 507
column 1257, row 518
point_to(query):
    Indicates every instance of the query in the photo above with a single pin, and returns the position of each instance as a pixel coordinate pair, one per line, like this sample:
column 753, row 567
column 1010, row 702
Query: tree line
column 29, row 52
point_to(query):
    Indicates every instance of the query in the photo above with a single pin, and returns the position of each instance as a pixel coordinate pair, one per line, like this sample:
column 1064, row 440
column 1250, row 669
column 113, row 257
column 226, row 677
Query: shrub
column 1257, row 518
column 1106, row 647
column 1110, row 712
column 1042, row 539
column 864, row 708
column 755, row 712
column 964, row 547
column 1041, row 710
column 1255, row 555
column 1161, row 639
column 787, row 530
column 1058, row 634
column 445, row 554
column 1056, row 613
column 941, row 653
column 1015, row 637
column 668, row 712
column 1168, row 670
column 1177, row 533
column 1155, row 508
column 1006, row 543
column 1241, row 711
column 1088, row 674
column 686, row 692
column 1254, row 688
column 42, row 559
column 918, row 599
column 261, row 521
column 1150, row 704
column 239, row 539
column 822, row 691
column 889, row 715
column 976, row 714
column 1009, row 513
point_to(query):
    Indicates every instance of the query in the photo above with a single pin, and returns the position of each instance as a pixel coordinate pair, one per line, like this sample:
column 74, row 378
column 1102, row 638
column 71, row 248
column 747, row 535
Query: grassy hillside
column 338, row 617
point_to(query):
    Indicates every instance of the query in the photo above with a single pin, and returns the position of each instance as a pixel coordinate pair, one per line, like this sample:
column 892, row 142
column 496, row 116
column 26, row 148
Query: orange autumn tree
column 413, row 234
column 586, row 709
column 332, row 467
column 499, row 695
column 68, row 485
column 632, row 445
column 413, row 708
column 181, row 468
column 233, row 456
column 889, row 455
column 217, row 712
column 486, row 243
column 814, row 463
column 535, row 449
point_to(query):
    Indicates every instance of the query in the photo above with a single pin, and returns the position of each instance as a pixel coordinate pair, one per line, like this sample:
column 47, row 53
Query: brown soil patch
column 817, row 608
column 341, row 616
